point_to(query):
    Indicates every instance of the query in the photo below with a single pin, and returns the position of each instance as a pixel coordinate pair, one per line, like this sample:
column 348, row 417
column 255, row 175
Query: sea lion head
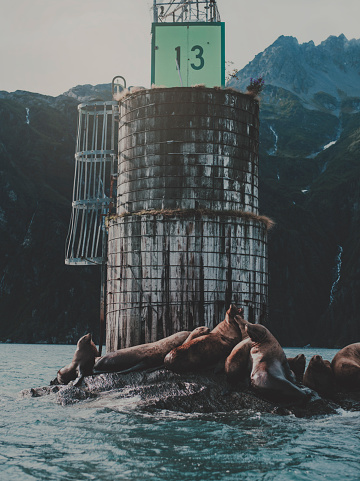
column 86, row 344
column 83, row 341
column 236, row 314
column 240, row 312
column 299, row 361
column 300, row 358
column 297, row 364
column 201, row 331
column 316, row 361
column 233, row 311
column 319, row 375
column 256, row 332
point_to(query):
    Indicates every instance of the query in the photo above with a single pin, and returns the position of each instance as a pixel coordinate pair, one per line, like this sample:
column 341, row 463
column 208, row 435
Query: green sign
column 185, row 54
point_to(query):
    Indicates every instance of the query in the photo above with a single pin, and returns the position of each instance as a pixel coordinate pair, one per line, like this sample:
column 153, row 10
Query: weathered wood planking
column 185, row 148
column 171, row 274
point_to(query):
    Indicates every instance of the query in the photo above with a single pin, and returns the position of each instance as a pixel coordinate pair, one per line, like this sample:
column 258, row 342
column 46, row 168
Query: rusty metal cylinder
column 188, row 148
column 187, row 239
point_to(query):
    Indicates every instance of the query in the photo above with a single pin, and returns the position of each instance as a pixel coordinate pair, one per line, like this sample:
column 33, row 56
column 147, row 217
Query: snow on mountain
column 331, row 68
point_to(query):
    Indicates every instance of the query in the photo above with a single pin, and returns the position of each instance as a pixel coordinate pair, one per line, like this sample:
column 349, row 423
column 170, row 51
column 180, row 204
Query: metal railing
column 95, row 159
column 185, row 11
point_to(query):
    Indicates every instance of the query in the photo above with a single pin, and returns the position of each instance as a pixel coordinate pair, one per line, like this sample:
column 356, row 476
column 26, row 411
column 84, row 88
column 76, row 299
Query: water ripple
column 107, row 439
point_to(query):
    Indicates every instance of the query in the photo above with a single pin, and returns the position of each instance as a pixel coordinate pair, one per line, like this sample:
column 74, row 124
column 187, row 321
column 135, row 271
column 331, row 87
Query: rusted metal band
column 197, row 213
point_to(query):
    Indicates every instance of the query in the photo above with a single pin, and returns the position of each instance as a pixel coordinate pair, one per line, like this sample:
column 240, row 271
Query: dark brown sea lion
column 82, row 363
column 143, row 356
column 346, row 367
column 238, row 363
column 270, row 374
column 297, row 365
column 206, row 350
column 319, row 376
column 197, row 332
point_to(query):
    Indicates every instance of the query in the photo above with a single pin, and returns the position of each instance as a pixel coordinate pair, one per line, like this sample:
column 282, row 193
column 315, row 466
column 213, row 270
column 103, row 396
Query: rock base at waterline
column 202, row 393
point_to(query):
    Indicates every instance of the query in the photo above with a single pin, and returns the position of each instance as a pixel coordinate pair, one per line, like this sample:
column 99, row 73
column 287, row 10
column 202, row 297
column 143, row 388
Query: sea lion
column 297, row 365
column 197, row 332
column 270, row 374
column 319, row 376
column 238, row 363
column 143, row 356
column 206, row 350
column 346, row 367
column 82, row 363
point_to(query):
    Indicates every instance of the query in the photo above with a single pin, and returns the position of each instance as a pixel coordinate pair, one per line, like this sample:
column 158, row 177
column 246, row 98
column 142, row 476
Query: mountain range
column 309, row 184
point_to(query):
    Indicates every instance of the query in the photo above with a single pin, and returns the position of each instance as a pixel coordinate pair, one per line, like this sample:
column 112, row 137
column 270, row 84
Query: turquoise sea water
column 108, row 439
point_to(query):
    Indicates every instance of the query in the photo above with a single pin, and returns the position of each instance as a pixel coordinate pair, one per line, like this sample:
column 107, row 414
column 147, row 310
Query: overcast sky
column 49, row 46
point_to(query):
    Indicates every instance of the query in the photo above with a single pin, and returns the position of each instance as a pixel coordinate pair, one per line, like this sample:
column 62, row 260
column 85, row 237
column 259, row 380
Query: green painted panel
column 188, row 54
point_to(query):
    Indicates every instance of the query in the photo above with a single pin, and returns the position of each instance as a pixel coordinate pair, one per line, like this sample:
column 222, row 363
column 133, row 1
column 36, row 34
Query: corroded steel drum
column 187, row 239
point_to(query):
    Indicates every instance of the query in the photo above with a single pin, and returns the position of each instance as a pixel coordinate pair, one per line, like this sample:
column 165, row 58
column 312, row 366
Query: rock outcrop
column 191, row 393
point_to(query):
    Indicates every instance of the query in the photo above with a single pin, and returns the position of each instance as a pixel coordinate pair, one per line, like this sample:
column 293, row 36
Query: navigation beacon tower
column 186, row 239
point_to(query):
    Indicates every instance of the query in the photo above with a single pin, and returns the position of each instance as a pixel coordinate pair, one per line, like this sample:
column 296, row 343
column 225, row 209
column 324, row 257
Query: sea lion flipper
column 155, row 368
column 138, row 367
column 197, row 332
column 290, row 376
column 78, row 380
column 150, row 354
column 290, row 389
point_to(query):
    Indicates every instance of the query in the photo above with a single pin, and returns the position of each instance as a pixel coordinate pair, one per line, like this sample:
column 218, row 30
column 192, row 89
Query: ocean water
column 108, row 439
